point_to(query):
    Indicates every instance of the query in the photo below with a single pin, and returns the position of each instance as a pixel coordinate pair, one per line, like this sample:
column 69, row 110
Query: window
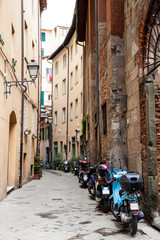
column 61, row 146
column 13, row 42
column 56, row 91
column 81, row 65
column 81, row 102
column 48, row 71
column 76, row 107
column 42, row 52
column 26, row 40
column 56, row 67
column 55, row 118
column 104, row 118
column 71, row 111
column 43, row 35
column 71, row 52
column 64, row 60
column 25, row 113
column 71, row 80
column 32, row 119
column 76, row 74
column 63, row 115
column 64, row 86
column 33, row 50
column 49, row 97
column 69, row 146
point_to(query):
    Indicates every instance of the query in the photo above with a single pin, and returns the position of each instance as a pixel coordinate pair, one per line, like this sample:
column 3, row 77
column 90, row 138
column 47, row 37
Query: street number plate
column 134, row 206
column 105, row 190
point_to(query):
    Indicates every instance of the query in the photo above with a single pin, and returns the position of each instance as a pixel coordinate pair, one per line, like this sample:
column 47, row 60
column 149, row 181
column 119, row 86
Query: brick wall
column 117, row 17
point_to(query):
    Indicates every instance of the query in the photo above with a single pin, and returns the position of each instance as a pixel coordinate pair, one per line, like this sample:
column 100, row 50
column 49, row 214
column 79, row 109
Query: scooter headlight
column 132, row 195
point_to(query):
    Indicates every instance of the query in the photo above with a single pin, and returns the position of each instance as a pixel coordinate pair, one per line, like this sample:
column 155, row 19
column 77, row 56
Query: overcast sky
column 58, row 12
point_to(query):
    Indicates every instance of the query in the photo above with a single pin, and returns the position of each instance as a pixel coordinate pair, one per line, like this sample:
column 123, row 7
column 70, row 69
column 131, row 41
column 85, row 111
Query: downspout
column 38, row 113
column 22, row 99
column 84, row 64
column 97, row 77
column 97, row 64
column 67, row 105
column 51, row 124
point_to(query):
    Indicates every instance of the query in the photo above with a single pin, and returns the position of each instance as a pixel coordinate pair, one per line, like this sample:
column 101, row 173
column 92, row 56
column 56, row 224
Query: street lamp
column 33, row 69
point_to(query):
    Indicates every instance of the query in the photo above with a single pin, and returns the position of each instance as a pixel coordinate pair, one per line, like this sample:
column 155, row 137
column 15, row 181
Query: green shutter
column 43, row 37
column 42, row 97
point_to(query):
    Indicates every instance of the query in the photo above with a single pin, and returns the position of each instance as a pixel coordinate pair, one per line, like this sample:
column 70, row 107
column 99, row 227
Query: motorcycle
column 83, row 172
column 103, row 187
column 92, row 180
column 75, row 168
column 124, row 198
column 66, row 166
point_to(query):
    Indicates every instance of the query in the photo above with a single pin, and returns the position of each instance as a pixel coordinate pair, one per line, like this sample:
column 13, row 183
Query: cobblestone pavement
column 57, row 208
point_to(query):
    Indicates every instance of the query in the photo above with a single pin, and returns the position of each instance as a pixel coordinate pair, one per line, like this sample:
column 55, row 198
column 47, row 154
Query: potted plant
column 56, row 163
column 37, row 167
column 14, row 62
column 34, row 136
column 27, row 131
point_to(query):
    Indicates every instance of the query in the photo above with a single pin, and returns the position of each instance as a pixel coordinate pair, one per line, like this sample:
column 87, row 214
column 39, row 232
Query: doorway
column 11, row 170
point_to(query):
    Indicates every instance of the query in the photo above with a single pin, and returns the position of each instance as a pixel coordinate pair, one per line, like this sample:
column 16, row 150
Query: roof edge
column 67, row 38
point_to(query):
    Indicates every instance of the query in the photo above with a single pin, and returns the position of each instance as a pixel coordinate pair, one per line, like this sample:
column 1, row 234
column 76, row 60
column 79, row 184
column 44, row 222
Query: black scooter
column 92, row 180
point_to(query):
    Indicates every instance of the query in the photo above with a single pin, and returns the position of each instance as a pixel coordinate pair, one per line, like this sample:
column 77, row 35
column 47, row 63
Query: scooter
column 124, row 198
column 92, row 180
column 103, row 187
column 83, row 172
column 66, row 166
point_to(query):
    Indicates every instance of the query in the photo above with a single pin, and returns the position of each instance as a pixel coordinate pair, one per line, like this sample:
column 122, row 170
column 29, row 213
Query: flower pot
column 36, row 176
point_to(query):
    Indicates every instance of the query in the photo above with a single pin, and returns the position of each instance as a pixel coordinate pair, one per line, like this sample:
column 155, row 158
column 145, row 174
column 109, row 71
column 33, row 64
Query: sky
column 58, row 12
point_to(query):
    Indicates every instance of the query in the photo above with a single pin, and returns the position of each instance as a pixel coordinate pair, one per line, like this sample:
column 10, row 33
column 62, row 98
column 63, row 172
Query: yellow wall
column 10, row 29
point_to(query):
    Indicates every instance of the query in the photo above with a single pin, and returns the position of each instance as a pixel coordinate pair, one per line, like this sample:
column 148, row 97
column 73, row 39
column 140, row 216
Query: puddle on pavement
column 47, row 215
column 58, row 174
column 51, row 214
column 57, row 199
column 108, row 232
column 85, row 222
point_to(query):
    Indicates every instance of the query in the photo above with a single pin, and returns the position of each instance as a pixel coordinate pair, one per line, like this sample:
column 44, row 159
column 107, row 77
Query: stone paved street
column 56, row 208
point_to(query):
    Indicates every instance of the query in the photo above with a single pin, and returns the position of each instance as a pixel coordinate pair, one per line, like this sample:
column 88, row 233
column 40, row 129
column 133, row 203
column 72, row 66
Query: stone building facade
column 129, row 83
column 111, row 130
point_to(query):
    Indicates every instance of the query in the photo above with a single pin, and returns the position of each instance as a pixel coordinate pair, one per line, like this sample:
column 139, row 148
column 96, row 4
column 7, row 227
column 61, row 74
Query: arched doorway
column 11, row 174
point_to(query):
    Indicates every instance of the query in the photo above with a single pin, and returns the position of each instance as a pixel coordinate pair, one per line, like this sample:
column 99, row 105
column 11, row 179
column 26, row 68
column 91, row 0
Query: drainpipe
column 39, row 84
column 22, row 99
column 97, row 80
column 67, row 105
column 97, row 64
column 84, row 68
column 51, row 124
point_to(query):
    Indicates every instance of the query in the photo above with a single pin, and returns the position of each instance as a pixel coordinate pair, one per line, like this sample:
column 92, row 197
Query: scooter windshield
column 117, row 160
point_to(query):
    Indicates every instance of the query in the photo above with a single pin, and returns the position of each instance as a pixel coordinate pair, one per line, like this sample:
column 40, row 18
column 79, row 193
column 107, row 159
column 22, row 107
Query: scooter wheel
column 112, row 210
column 133, row 225
column 105, row 205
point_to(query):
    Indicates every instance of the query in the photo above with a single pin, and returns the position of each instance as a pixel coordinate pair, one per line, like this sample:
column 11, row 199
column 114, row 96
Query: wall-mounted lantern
column 33, row 68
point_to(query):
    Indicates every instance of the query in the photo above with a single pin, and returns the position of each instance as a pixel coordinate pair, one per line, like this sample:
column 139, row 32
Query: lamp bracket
column 9, row 84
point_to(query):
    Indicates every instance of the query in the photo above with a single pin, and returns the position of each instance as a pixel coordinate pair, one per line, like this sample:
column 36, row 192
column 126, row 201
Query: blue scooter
column 124, row 198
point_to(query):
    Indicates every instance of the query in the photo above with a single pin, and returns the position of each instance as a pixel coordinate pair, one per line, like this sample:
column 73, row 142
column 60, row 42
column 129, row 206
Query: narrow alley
column 57, row 208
